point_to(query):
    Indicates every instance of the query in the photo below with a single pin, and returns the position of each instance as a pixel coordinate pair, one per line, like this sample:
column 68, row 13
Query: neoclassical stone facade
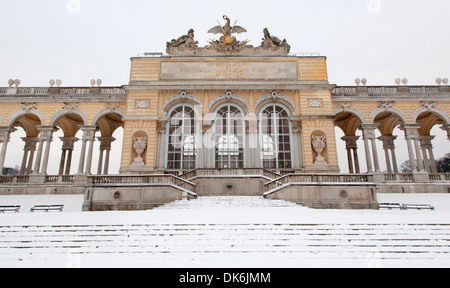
column 235, row 123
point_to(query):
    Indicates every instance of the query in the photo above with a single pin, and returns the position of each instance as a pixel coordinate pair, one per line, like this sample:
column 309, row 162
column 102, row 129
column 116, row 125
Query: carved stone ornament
column 28, row 107
column 68, row 107
column 227, row 43
column 319, row 143
column 185, row 42
column 139, row 145
column 428, row 106
column 274, row 43
column 182, row 95
column 386, row 106
column 275, row 95
column 229, row 95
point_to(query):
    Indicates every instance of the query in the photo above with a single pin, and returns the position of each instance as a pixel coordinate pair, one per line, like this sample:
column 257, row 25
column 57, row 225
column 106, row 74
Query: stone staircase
column 229, row 202
column 226, row 243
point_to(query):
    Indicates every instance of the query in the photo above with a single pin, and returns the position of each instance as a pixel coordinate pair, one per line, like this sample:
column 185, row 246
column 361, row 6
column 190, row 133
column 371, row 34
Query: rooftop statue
column 184, row 42
column 227, row 44
column 272, row 42
column 227, row 30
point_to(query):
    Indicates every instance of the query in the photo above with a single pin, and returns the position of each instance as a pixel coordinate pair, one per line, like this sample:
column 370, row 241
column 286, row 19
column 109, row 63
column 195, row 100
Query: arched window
column 275, row 137
column 181, row 143
column 229, row 128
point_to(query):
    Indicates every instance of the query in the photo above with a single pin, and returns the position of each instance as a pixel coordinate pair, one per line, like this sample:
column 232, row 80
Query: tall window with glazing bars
column 181, row 143
column 275, row 137
column 229, row 137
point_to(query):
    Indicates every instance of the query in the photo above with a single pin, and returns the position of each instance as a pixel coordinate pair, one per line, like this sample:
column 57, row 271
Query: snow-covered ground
column 226, row 232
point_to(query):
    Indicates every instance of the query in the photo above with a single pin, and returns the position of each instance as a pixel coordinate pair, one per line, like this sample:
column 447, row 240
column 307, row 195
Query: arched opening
column 181, row 143
column 433, row 140
column 65, row 143
column 108, row 143
column 229, row 137
column 388, row 132
column 276, row 137
column 349, row 138
column 19, row 157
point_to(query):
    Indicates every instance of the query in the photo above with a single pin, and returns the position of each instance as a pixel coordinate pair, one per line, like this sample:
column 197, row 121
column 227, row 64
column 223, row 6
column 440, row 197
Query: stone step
column 228, row 202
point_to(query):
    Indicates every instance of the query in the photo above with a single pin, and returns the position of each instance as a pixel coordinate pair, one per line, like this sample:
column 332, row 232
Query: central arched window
column 181, row 150
column 229, row 131
column 275, row 138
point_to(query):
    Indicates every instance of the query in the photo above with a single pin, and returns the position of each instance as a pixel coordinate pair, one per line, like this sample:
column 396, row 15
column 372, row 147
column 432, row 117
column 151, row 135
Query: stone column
column 62, row 162
column 208, row 134
column 426, row 146
column 352, row 153
column 251, row 145
column 369, row 136
column 296, row 130
column 82, row 155
column 162, row 126
column 412, row 136
column 37, row 163
column 105, row 148
column 66, row 154
column 5, row 133
column 28, row 154
column 88, row 136
column 45, row 139
column 389, row 149
column 46, row 132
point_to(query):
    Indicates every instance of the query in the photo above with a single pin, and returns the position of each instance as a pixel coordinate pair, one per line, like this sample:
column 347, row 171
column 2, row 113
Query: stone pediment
column 227, row 44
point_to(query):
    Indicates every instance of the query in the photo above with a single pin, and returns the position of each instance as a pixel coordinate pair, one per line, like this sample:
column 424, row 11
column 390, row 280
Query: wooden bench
column 4, row 209
column 418, row 207
column 390, row 206
column 47, row 208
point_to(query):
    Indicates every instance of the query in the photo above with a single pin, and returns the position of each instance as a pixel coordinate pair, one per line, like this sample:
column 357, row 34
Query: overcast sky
column 78, row 40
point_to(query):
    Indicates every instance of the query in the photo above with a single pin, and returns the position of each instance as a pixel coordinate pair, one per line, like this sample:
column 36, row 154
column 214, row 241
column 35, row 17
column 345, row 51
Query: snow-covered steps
column 216, row 245
column 231, row 232
column 226, row 202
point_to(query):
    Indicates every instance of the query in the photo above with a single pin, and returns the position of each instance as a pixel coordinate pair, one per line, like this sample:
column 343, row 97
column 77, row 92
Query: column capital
column 68, row 142
column 411, row 130
column 105, row 142
column 30, row 143
column 368, row 130
column 388, row 141
column 88, row 132
column 161, row 124
column 5, row 132
column 46, row 132
column 351, row 141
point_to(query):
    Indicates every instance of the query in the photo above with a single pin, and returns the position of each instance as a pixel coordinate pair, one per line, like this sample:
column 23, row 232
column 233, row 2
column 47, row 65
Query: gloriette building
column 225, row 119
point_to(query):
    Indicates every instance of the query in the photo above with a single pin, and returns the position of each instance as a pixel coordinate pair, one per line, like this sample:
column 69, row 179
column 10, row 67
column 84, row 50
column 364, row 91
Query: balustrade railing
column 14, row 179
column 387, row 90
column 318, row 178
column 42, row 91
column 142, row 179
column 229, row 172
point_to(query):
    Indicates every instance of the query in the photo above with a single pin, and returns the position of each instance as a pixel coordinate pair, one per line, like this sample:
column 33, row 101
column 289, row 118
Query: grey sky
column 59, row 39
column 42, row 40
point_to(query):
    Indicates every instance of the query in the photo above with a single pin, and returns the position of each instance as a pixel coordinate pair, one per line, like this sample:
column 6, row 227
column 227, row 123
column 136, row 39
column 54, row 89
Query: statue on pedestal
column 139, row 145
column 319, row 144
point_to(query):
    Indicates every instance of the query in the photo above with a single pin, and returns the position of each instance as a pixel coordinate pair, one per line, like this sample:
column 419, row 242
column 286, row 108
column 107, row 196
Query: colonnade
column 419, row 147
column 36, row 151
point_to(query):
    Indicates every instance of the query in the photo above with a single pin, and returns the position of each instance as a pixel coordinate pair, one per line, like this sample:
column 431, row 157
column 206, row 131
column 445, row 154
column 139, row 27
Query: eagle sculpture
column 227, row 30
